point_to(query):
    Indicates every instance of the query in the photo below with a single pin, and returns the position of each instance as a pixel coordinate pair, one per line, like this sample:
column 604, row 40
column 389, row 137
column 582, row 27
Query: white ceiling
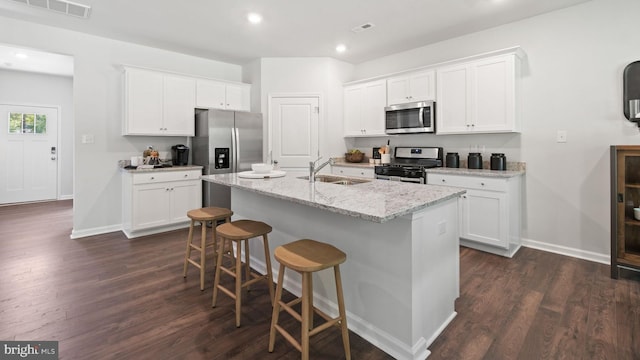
column 218, row 29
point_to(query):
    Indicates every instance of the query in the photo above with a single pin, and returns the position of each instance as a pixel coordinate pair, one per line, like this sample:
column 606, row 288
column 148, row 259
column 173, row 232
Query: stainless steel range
column 409, row 164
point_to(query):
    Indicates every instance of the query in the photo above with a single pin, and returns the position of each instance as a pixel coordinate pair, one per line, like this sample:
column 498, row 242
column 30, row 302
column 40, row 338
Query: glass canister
column 498, row 161
column 452, row 160
column 474, row 160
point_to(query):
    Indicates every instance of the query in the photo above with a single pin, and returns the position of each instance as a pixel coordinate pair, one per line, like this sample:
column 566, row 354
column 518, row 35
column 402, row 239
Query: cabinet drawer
column 468, row 182
column 163, row 176
column 353, row 171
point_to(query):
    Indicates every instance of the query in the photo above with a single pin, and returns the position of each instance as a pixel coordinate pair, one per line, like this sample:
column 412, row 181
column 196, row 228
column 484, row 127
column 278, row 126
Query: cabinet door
column 237, row 97
column 151, row 206
column 454, row 99
column 375, row 100
column 185, row 196
column 353, row 110
column 210, row 94
column 484, row 217
column 397, row 90
column 179, row 104
column 422, row 86
column 493, row 95
column 143, row 97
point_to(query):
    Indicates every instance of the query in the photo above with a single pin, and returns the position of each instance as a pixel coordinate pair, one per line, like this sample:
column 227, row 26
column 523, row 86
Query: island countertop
column 377, row 200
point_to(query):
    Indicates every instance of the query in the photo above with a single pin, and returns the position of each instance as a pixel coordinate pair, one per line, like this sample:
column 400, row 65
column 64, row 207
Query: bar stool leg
column 247, row 267
column 276, row 309
column 203, row 251
column 238, row 282
column 216, row 280
column 343, row 313
column 267, row 260
column 188, row 251
column 304, row 341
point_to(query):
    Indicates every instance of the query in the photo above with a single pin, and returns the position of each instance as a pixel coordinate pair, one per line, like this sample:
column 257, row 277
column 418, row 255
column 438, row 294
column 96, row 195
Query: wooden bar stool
column 306, row 257
column 241, row 231
column 204, row 215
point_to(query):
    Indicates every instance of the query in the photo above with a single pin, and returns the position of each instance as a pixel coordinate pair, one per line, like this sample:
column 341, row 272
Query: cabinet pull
column 186, row 175
column 152, row 178
column 481, row 184
column 443, row 180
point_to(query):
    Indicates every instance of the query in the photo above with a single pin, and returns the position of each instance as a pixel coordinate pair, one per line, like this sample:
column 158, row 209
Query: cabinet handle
column 443, row 180
column 473, row 124
column 186, row 175
column 481, row 184
column 152, row 178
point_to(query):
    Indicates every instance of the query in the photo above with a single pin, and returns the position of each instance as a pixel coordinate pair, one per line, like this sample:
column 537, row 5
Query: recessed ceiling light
column 21, row 55
column 341, row 48
column 254, row 18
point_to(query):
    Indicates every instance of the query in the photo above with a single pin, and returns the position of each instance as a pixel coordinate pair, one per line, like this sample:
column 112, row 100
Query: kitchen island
column 401, row 276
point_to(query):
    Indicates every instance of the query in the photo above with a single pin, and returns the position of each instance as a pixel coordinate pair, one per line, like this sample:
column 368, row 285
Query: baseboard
column 563, row 250
column 77, row 234
column 65, row 197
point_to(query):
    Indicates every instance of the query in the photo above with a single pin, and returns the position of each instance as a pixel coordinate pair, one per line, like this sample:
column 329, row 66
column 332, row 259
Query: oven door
column 410, row 118
column 400, row 178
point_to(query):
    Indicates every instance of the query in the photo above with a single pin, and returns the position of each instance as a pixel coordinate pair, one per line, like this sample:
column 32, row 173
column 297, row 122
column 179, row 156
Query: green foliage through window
column 20, row 123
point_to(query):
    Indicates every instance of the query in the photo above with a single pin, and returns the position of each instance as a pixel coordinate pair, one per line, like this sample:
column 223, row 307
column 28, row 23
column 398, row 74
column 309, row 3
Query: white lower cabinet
column 356, row 171
column 155, row 202
column 489, row 212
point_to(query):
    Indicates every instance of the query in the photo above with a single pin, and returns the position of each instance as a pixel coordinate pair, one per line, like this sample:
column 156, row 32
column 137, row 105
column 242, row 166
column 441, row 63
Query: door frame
column 322, row 122
column 58, row 110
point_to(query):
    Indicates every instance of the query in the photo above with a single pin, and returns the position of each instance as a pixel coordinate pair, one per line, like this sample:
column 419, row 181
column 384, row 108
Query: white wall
column 572, row 81
column 23, row 88
column 322, row 76
column 97, row 103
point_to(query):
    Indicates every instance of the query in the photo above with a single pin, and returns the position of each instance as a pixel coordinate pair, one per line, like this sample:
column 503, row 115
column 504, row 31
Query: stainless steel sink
column 337, row 180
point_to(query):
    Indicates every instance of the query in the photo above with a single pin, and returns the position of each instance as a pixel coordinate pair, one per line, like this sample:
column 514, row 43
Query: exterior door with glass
column 28, row 153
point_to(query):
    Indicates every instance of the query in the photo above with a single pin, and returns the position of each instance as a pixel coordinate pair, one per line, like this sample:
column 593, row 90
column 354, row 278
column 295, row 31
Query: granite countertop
column 377, row 200
column 476, row 172
column 172, row 168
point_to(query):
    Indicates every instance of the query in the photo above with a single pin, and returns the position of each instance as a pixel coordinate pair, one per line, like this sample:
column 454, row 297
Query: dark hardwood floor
column 106, row 297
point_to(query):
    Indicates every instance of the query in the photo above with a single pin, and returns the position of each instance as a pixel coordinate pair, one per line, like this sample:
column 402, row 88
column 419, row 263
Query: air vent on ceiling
column 362, row 27
column 60, row 6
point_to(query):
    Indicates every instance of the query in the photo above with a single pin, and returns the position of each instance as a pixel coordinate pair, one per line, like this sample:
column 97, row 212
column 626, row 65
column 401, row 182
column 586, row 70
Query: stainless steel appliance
column 225, row 142
column 411, row 118
column 409, row 163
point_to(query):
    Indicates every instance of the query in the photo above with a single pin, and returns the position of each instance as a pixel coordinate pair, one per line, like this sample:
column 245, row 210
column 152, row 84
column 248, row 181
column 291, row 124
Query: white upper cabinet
column 158, row 103
column 479, row 96
column 221, row 95
column 364, row 109
column 418, row 86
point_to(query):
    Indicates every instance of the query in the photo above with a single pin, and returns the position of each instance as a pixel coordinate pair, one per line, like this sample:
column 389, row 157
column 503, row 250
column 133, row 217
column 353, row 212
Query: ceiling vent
column 362, row 27
column 60, row 6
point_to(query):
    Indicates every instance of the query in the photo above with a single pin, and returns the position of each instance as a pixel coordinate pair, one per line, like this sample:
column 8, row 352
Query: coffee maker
column 179, row 155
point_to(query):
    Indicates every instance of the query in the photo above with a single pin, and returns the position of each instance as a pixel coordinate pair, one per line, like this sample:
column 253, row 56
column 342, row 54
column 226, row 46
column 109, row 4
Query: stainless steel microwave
column 411, row 118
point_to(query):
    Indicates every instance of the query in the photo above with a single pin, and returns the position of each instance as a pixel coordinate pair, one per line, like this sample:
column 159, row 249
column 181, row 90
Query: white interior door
column 294, row 130
column 28, row 153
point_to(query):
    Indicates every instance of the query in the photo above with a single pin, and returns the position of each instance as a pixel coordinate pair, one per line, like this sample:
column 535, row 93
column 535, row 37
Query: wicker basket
column 353, row 157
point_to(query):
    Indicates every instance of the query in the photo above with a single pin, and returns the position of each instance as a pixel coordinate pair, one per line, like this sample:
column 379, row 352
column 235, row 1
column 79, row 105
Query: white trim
column 75, row 234
column 65, row 197
column 563, row 250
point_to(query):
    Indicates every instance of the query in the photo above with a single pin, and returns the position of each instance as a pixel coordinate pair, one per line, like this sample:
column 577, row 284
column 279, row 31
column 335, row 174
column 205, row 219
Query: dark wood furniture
column 625, row 196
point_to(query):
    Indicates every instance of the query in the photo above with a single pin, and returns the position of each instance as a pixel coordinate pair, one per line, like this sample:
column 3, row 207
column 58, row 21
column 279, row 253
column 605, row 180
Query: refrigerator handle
column 236, row 148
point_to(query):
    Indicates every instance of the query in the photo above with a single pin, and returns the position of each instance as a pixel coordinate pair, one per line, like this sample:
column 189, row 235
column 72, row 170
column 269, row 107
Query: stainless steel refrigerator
column 225, row 142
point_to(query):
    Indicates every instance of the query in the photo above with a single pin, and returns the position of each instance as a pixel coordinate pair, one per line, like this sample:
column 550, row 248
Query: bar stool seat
column 307, row 256
column 203, row 215
column 241, row 231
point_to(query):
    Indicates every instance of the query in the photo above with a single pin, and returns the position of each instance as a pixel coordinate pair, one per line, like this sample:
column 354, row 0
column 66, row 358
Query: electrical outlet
column 561, row 136
column 442, row 227
column 87, row 139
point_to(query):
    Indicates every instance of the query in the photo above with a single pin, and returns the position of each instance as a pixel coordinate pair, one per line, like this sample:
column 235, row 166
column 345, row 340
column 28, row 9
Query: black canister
column 474, row 161
column 498, row 161
column 452, row 160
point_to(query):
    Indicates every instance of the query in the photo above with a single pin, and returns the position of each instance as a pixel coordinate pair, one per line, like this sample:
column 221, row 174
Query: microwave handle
column 421, row 116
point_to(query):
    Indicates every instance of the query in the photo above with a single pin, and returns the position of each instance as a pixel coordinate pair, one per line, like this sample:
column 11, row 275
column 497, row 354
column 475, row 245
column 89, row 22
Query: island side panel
column 378, row 275
column 436, row 269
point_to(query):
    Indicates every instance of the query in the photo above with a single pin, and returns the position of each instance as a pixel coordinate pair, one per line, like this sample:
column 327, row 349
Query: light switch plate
column 561, row 137
column 87, row 139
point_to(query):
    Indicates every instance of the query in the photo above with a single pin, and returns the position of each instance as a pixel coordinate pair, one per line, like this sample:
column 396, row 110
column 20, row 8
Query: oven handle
column 401, row 179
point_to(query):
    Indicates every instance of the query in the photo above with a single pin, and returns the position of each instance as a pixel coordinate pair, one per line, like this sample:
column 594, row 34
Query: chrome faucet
column 313, row 170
